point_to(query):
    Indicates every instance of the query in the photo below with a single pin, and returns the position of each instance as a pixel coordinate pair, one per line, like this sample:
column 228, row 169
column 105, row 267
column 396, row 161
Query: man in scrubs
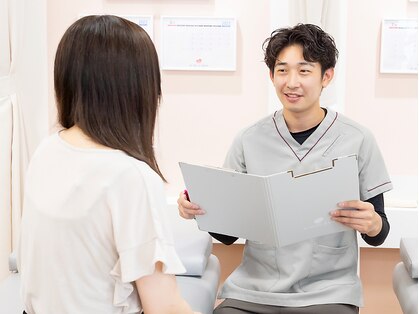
column 318, row 275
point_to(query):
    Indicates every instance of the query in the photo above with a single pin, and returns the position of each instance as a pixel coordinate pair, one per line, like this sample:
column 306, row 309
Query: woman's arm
column 159, row 294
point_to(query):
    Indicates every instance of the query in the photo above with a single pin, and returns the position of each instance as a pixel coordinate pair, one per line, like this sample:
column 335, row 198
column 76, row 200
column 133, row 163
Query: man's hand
column 360, row 216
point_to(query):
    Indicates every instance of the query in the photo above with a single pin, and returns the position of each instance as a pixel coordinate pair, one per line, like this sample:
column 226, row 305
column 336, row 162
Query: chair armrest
column 409, row 255
column 192, row 245
column 10, row 300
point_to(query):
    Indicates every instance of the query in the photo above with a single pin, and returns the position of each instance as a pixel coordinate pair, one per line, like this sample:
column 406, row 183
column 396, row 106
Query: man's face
column 298, row 83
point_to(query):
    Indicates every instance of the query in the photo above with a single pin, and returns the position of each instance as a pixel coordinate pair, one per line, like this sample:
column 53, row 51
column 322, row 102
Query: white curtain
column 329, row 16
column 13, row 147
column 310, row 11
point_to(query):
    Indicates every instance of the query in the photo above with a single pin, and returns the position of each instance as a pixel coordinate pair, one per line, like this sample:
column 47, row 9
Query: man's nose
column 293, row 80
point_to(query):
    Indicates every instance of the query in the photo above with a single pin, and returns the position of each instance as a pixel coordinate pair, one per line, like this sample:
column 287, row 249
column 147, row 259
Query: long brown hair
column 107, row 82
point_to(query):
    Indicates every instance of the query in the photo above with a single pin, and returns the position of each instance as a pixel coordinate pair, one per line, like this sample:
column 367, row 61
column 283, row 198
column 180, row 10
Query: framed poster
column 399, row 46
column 198, row 43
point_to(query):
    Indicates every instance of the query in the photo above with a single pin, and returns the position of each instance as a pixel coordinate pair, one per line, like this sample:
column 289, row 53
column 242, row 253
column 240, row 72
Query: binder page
column 235, row 203
column 302, row 204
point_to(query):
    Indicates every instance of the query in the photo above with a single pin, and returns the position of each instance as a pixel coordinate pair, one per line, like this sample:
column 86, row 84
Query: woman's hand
column 187, row 209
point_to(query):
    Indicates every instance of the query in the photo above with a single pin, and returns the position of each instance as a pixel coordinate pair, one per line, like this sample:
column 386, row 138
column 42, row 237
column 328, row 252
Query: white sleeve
column 140, row 227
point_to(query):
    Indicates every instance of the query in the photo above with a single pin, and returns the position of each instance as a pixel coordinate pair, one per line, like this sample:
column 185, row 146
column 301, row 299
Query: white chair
column 405, row 276
column 199, row 284
column 10, row 302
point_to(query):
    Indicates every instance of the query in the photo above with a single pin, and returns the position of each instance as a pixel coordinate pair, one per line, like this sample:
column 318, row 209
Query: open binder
column 278, row 209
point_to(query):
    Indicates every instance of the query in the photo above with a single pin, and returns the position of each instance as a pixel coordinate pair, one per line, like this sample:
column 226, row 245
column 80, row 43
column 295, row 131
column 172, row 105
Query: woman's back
column 92, row 224
column 94, row 235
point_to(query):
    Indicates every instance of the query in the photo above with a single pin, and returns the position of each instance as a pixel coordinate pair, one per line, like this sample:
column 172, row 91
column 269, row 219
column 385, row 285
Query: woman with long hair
column 94, row 237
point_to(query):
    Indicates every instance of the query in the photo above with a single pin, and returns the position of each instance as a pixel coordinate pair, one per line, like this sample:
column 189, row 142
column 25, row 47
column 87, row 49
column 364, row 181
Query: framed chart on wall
column 399, row 46
column 198, row 43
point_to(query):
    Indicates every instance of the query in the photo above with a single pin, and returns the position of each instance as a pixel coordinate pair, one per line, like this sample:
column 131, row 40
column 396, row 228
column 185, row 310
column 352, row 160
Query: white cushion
column 10, row 301
column 192, row 245
column 201, row 292
column 406, row 289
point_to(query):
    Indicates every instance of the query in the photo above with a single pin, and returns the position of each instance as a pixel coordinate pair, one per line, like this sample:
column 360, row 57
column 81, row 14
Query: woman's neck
column 76, row 137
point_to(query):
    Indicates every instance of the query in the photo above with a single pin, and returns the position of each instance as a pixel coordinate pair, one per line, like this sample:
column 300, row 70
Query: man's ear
column 327, row 77
column 271, row 75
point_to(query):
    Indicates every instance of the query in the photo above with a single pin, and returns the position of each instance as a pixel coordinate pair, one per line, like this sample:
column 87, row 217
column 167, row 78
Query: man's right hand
column 187, row 209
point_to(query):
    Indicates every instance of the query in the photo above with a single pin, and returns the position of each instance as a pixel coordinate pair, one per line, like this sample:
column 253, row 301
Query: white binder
column 278, row 209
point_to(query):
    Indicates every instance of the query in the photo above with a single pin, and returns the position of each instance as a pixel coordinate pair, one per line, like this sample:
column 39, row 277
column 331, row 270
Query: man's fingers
column 356, row 204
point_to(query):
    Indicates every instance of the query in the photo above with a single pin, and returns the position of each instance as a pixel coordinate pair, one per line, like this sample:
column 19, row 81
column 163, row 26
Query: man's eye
column 281, row 70
column 304, row 71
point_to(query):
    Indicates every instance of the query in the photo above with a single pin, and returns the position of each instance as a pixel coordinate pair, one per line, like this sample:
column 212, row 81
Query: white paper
column 399, row 46
column 198, row 43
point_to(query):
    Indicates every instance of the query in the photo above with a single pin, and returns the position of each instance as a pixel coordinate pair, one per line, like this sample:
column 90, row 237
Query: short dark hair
column 318, row 46
column 107, row 82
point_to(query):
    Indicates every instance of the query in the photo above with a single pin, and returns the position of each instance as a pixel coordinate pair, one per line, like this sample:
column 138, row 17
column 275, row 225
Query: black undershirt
column 377, row 201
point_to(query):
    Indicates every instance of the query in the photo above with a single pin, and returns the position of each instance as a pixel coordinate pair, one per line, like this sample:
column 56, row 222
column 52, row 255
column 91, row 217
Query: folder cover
column 278, row 209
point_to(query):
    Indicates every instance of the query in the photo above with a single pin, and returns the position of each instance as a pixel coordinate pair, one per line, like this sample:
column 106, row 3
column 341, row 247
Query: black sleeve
column 225, row 239
column 378, row 202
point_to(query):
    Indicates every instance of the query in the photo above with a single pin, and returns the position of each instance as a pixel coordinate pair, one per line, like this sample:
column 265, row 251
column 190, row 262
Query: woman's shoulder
column 130, row 169
column 45, row 145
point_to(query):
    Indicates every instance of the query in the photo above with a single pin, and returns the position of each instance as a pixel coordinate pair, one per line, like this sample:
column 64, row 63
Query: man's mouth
column 292, row 95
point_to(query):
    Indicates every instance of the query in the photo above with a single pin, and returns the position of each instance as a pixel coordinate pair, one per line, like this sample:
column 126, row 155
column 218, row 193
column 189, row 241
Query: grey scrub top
column 321, row 270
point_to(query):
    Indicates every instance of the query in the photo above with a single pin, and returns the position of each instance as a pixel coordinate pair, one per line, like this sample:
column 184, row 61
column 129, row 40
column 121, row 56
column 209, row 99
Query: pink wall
column 202, row 111
column 385, row 103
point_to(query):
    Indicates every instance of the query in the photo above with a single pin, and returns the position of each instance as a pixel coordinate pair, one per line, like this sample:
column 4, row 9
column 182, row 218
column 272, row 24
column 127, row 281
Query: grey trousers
column 232, row 306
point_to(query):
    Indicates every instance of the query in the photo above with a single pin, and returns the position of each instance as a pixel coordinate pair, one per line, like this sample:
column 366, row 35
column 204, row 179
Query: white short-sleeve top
column 93, row 223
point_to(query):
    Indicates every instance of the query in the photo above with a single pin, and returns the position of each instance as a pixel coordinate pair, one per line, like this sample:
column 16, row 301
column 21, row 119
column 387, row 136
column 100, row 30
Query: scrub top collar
column 301, row 151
